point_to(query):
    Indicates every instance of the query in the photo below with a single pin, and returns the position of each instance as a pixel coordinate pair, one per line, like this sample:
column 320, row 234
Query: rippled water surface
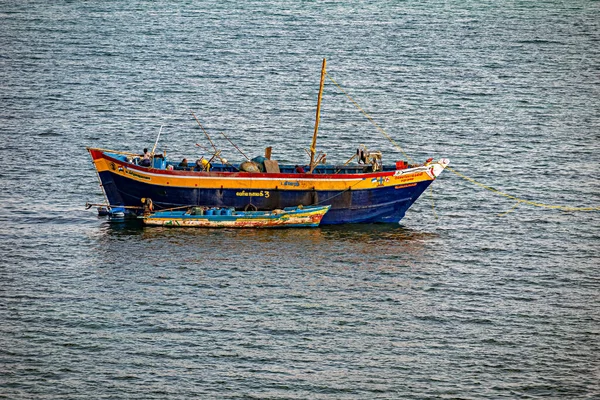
column 462, row 300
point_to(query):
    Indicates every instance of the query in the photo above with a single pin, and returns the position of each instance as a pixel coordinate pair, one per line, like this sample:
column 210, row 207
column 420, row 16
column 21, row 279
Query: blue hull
column 385, row 204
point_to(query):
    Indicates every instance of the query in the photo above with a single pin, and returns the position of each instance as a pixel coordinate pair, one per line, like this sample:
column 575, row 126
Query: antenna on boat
column 313, row 146
column 156, row 143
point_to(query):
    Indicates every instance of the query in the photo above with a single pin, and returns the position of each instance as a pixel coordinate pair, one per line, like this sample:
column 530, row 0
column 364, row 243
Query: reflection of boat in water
column 368, row 192
column 203, row 217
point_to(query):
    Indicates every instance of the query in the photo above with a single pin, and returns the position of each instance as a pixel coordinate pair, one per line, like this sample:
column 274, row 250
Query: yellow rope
column 519, row 200
column 430, row 191
column 384, row 133
column 491, row 189
column 511, row 210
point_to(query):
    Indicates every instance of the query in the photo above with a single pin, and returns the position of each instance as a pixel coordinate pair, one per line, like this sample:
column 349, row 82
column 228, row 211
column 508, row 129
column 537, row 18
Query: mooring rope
column 461, row 175
column 336, row 195
column 521, row 200
column 380, row 129
column 430, row 191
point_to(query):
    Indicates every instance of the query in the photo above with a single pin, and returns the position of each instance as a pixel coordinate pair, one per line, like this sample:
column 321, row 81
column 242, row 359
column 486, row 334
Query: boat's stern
column 94, row 153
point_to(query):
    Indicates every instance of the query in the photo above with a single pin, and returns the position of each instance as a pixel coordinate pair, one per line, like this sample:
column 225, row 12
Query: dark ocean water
column 458, row 301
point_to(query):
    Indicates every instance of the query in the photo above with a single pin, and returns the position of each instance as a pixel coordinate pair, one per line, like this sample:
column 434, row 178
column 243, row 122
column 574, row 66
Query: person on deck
column 205, row 164
column 202, row 165
column 183, row 163
column 145, row 159
column 299, row 169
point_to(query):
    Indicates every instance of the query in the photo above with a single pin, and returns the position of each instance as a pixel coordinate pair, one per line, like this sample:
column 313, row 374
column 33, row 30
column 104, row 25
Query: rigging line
column 430, row 191
column 520, row 200
column 383, row 132
column 339, row 194
column 346, row 163
column 204, row 130
column 233, row 144
column 203, row 148
column 176, row 208
column 511, row 209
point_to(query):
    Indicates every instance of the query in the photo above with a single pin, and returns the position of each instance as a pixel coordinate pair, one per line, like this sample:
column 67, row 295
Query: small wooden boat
column 203, row 217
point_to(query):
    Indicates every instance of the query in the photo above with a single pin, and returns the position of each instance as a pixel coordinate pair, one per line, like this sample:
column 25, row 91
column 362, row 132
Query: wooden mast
column 313, row 146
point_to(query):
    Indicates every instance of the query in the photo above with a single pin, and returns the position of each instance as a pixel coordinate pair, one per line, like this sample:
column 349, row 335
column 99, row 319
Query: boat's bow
column 439, row 166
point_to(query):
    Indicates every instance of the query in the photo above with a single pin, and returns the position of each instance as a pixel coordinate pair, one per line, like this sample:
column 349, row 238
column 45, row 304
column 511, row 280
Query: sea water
column 469, row 297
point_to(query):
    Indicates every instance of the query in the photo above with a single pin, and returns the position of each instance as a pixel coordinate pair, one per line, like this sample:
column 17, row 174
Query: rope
column 491, row 189
column 520, row 200
column 346, row 163
column 432, row 203
column 511, row 210
column 176, row 208
column 336, row 195
column 383, row 132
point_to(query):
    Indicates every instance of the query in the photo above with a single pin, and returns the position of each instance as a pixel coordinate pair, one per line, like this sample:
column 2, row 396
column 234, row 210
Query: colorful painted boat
column 203, row 217
column 355, row 195
column 368, row 192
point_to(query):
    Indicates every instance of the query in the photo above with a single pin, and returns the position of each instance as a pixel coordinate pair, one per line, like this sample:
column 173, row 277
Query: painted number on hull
column 262, row 193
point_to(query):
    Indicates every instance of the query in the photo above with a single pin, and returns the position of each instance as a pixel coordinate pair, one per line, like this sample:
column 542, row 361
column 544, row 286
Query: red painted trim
column 96, row 154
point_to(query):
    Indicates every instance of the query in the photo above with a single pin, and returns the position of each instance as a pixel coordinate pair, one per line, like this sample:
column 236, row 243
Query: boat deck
column 324, row 169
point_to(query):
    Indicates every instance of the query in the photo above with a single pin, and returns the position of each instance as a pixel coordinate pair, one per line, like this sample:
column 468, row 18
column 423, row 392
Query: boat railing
column 160, row 162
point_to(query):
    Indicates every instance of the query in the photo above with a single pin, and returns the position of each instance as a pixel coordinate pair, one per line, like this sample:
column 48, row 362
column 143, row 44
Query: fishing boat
column 206, row 217
column 368, row 191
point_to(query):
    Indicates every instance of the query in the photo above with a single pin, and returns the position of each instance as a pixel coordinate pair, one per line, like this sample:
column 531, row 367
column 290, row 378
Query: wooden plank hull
column 287, row 218
column 358, row 197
